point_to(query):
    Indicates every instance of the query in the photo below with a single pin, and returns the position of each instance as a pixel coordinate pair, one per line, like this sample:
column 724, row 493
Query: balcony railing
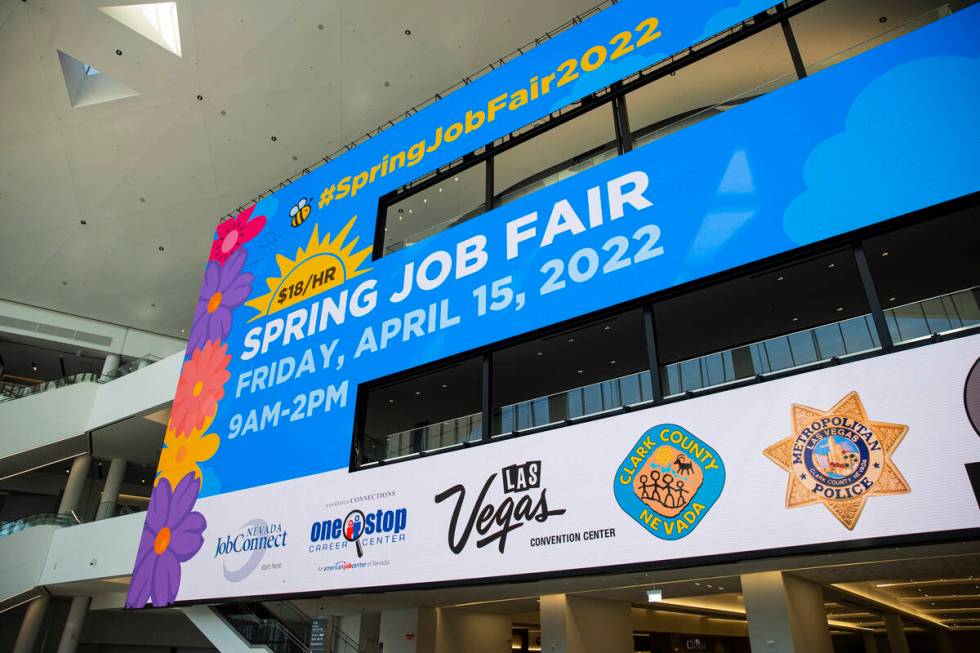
column 906, row 323
column 807, row 347
column 431, row 437
column 936, row 315
column 41, row 519
column 10, row 391
column 573, row 404
column 925, row 318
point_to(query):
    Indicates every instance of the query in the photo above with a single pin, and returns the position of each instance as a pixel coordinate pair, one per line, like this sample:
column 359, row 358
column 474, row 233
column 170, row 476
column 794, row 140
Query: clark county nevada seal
column 839, row 458
column 668, row 481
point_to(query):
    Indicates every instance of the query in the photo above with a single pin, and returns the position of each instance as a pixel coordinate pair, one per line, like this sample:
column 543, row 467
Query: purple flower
column 172, row 534
column 225, row 287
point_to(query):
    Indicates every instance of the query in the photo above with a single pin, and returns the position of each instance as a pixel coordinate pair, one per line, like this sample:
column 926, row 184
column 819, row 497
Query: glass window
column 927, row 276
column 432, row 411
column 767, row 322
column 745, row 70
column 438, row 207
column 837, row 30
column 579, row 372
column 556, row 154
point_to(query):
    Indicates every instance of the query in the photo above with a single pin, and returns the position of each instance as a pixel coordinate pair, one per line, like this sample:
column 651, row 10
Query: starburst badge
column 839, row 458
column 322, row 265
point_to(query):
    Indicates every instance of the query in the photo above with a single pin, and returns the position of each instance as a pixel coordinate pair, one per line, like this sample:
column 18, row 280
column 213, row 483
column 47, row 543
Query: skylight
column 157, row 21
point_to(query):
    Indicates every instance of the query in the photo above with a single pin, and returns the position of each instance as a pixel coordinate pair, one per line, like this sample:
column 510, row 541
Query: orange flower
column 200, row 388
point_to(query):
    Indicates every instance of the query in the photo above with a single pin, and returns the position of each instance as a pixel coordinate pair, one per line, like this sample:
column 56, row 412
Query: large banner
column 293, row 315
column 858, row 452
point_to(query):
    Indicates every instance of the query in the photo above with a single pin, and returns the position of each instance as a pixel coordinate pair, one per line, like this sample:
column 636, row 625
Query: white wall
column 473, row 632
column 137, row 392
column 101, row 549
column 45, row 418
column 22, row 558
column 411, row 630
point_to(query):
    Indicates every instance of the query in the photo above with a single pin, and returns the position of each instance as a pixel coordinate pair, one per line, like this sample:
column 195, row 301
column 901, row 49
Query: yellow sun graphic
column 321, row 266
column 663, row 456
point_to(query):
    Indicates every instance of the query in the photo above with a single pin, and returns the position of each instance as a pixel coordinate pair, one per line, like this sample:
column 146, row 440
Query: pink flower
column 232, row 234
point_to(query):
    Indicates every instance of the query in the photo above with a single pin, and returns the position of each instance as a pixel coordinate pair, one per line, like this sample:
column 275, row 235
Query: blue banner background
column 889, row 132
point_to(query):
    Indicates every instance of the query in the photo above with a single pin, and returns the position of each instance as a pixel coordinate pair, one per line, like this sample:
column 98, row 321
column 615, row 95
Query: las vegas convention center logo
column 839, row 457
column 669, row 481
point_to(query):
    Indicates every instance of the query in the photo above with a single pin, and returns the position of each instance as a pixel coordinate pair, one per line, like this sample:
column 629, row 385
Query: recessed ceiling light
column 606, row 328
column 82, row 222
column 571, row 340
column 796, row 319
column 580, row 371
column 831, row 265
column 455, row 178
column 540, row 353
column 160, row 248
column 408, row 32
column 425, row 200
column 417, row 393
column 612, row 362
column 119, row 53
column 884, row 253
column 779, row 278
column 440, row 189
column 391, row 401
column 840, row 308
column 443, row 385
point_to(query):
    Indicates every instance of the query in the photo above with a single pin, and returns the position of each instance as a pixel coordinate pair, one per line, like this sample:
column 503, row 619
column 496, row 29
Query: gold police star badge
column 839, row 458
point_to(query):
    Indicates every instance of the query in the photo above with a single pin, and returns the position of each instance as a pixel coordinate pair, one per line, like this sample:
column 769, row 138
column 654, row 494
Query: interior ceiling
column 159, row 168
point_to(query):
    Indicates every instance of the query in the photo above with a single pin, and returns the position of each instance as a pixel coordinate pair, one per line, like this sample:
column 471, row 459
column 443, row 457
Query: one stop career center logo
column 359, row 529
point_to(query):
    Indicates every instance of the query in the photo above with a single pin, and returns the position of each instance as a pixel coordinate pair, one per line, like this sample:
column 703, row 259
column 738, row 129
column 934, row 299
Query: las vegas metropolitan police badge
column 839, row 458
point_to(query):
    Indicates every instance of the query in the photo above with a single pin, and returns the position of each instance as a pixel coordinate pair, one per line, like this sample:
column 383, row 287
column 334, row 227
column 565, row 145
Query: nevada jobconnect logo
column 255, row 537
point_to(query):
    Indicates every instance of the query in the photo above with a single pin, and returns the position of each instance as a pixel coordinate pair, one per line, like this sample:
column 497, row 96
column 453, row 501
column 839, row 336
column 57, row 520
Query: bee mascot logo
column 669, row 481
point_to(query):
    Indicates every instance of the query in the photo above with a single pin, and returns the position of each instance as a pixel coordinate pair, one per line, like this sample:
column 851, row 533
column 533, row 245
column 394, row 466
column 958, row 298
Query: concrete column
column 76, row 484
column 943, row 642
column 73, row 625
column 111, row 364
column 31, row 626
column 473, row 632
column 870, row 643
column 110, row 491
column 896, row 634
column 577, row 624
column 410, row 630
column 785, row 614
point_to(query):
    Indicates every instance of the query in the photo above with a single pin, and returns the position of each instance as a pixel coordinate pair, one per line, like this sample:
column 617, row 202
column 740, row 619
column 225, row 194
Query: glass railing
column 936, row 315
column 40, row 519
column 940, row 315
column 913, row 321
column 807, row 347
column 10, row 391
column 573, row 404
column 432, row 437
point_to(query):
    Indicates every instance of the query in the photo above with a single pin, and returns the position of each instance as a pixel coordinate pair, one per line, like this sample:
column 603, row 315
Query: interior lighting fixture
column 655, row 596
column 34, row 366
column 779, row 278
column 831, row 265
